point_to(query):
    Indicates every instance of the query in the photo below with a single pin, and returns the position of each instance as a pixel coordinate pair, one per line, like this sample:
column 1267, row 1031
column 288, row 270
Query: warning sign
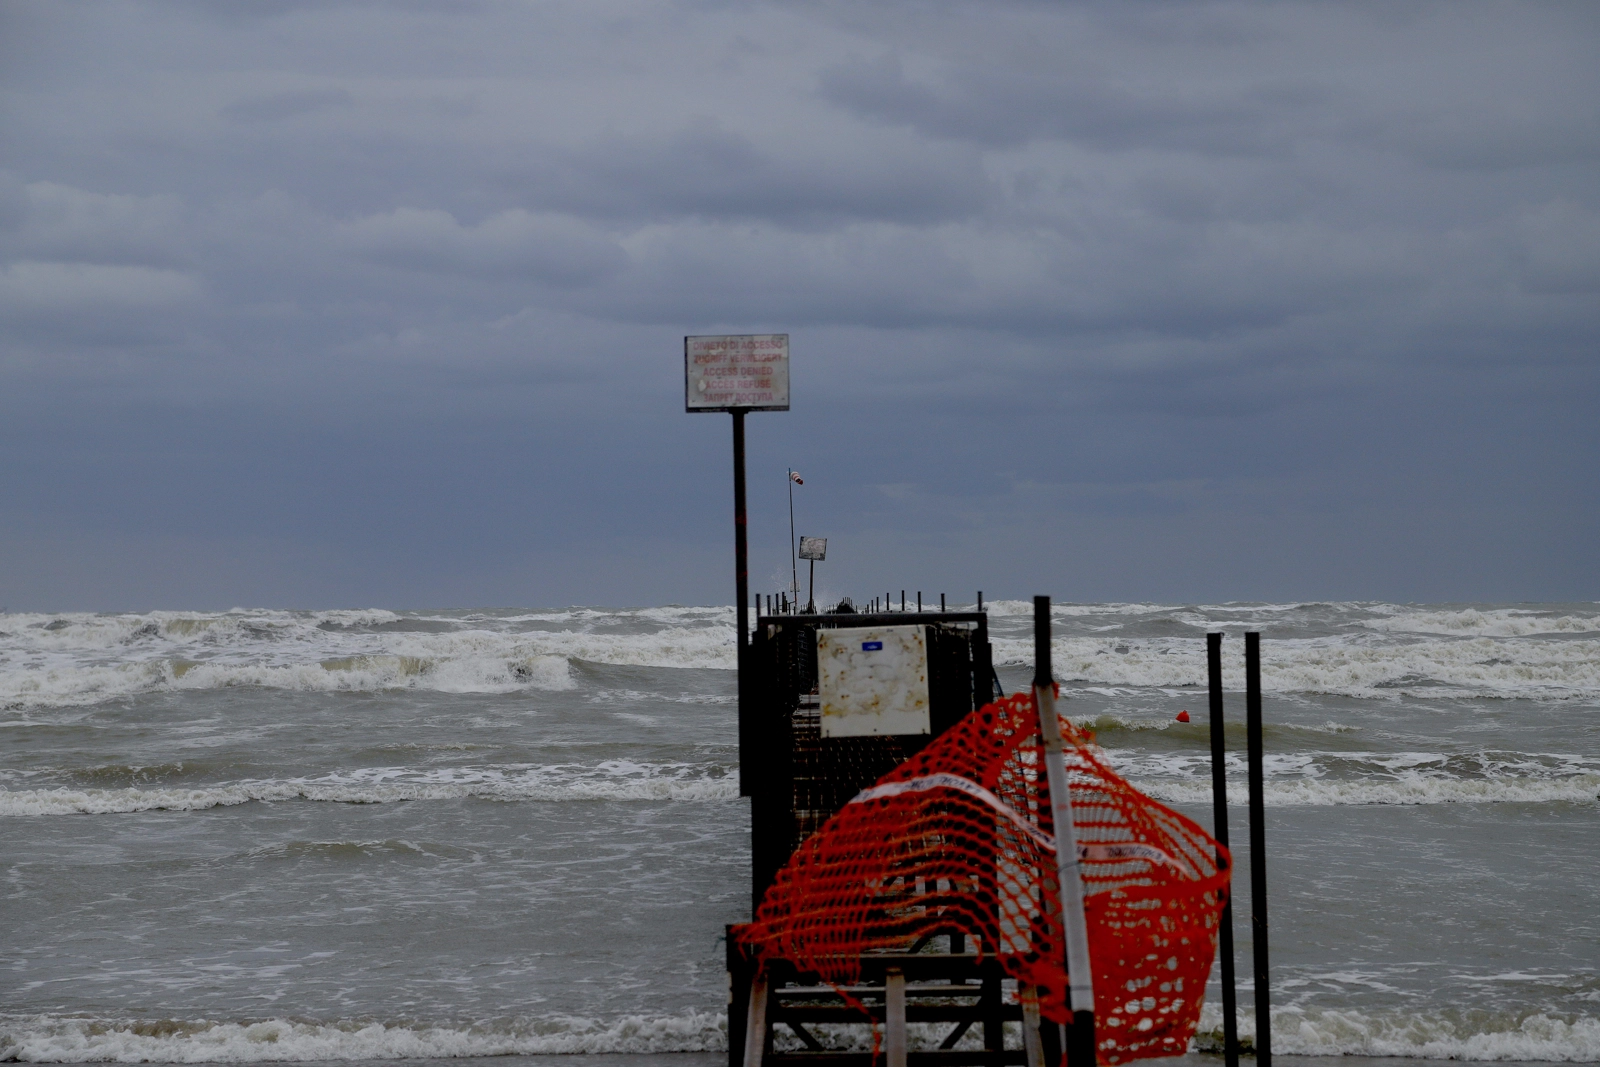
column 873, row 682
column 749, row 371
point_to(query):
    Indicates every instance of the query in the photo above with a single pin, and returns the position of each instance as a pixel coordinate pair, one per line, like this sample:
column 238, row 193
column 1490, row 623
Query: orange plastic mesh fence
column 959, row 839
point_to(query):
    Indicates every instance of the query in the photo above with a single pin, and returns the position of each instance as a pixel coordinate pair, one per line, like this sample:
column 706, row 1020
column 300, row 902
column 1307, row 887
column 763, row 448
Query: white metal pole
column 1080, row 981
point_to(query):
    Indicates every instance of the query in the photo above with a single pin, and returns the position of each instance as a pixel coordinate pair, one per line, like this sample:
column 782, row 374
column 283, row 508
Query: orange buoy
column 1183, row 716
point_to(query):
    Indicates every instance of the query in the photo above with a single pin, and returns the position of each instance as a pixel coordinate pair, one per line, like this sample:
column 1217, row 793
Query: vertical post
column 741, row 973
column 811, row 595
column 1032, row 1047
column 993, row 1014
column 980, row 600
column 894, row 1017
column 941, row 602
column 1075, row 929
column 755, row 1027
column 1258, row 848
column 741, row 581
column 741, row 550
column 1219, row 830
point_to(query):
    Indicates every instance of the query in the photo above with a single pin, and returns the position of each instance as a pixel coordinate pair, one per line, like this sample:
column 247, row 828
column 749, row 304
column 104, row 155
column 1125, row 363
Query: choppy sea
column 370, row 835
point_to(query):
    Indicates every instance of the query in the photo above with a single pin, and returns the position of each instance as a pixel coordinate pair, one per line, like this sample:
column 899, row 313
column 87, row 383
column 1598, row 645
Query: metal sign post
column 737, row 373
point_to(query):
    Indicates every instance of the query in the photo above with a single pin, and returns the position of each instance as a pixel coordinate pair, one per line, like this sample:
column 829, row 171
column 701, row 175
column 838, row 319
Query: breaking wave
column 78, row 659
column 66, row 686
column 45, row 1039
column 1354, row 650
column 613, row 780
column 1488, row 622
column 1534, row 1036
column 1424, row 668
column 1409, row 791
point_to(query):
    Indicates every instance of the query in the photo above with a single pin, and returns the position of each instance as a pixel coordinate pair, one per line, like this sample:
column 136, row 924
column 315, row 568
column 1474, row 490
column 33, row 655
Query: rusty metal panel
column 748, row 371
column 814, row 548
column 873, row 681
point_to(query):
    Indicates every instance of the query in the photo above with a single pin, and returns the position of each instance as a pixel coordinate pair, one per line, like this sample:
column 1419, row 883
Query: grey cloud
column 1469, row 137
column 93, row 267
column 1560, row 246
column 708, row 171
column 266, row 10
column 53, row 221
column 1127, row 275
column 548, row 248
column 76, row 287
column 287, row 105
column 1001, row 108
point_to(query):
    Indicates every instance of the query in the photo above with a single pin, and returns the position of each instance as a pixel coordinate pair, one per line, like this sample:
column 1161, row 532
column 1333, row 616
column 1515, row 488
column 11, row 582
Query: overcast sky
column 317, row 304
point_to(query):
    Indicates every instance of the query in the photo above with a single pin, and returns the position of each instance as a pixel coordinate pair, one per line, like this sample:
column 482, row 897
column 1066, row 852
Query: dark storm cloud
column 368, row 281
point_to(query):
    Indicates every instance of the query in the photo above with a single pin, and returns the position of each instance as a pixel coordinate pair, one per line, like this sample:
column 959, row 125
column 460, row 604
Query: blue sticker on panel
column 872, row 646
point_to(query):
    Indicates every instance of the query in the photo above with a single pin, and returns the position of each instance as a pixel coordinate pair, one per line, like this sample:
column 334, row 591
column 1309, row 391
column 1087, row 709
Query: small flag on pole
column 796, row 478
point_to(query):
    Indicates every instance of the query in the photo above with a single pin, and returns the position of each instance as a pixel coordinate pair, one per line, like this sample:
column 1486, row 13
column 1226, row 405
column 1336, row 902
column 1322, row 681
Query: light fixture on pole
column 794, row 571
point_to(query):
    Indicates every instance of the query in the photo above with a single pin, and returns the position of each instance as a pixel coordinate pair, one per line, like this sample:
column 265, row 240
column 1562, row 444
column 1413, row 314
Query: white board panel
column 873, row 681
column 749, row 371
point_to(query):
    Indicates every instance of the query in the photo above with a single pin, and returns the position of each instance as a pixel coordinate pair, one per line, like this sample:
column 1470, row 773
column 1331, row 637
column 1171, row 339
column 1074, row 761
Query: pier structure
column 798, row 771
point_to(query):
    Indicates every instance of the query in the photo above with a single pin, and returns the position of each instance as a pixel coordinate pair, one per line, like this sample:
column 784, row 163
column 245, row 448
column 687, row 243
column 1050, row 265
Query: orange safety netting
column 958, row 839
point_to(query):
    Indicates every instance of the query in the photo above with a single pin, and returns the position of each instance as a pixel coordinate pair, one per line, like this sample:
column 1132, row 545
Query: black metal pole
column 741, row 576
column 1219, row 823
column 1042, row 673
column 811, row 594
column 741, row 550
column 1258, row 848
